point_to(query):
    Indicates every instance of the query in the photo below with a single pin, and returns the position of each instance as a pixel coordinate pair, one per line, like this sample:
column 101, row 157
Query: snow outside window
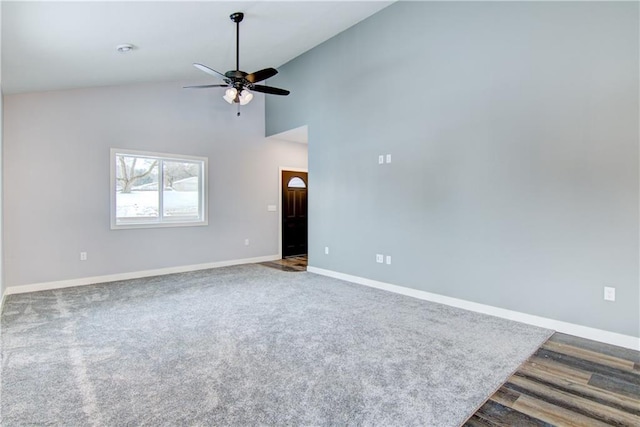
column 157, row 190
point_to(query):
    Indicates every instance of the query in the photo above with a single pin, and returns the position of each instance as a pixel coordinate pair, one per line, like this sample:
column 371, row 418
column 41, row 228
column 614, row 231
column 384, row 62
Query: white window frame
column 160, row 221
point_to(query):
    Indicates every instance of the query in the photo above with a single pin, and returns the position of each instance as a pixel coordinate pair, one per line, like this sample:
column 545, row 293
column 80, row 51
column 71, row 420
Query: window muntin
column 138, row 201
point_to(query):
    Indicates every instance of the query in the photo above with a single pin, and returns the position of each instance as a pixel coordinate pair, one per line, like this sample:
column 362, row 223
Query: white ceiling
column 300, row 134
column 61, row 45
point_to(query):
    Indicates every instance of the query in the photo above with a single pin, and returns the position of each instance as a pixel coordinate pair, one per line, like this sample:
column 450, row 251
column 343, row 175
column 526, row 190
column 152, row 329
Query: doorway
column 294, row 193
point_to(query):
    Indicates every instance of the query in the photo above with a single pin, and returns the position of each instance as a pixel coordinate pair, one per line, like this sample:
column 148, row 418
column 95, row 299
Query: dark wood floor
column 293, row 263
column 569, row 381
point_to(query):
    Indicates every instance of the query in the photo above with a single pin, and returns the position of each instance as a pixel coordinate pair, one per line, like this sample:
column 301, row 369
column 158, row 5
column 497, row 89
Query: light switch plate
column 388, row 158
column 379, row 258
column 271, row 208
column 380, row 159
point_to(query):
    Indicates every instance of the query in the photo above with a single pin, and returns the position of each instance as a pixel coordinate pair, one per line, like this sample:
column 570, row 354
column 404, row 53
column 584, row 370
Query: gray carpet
column 249, row 345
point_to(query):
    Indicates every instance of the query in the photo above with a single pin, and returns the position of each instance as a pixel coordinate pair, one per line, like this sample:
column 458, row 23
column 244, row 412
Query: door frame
column 291, row 169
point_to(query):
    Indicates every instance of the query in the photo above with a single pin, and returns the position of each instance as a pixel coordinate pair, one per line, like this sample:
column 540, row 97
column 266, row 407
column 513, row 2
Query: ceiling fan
column 238, row 82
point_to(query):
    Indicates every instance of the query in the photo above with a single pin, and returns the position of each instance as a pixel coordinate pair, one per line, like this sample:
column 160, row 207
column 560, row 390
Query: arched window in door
column 296, row 182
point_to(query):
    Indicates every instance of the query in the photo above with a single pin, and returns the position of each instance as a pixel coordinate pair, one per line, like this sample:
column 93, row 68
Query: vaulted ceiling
column 62, row 45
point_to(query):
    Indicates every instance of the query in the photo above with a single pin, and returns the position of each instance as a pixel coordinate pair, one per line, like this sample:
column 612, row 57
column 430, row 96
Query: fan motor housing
column 235, row 74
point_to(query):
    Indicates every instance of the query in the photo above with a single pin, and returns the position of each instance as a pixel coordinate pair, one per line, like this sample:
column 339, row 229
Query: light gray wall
column 2, row 284
column 513, row 130
column 56, row 179
column 2, row 281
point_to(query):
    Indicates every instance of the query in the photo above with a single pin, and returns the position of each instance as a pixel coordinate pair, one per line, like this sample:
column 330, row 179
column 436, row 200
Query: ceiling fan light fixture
column 245, row 97
column 230, row 95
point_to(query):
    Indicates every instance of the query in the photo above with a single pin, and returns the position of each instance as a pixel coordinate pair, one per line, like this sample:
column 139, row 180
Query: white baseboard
column 608, row 337
column 45, row 286
column 614, row 338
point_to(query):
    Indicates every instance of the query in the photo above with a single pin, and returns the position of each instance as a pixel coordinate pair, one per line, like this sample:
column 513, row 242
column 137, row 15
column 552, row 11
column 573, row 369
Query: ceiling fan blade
column 202, row 86
column 209, row 70
column 261, row 75
column 270, row 90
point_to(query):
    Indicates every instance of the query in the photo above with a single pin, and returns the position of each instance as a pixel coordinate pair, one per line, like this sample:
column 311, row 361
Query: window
column 137, row 199
column 296, row 182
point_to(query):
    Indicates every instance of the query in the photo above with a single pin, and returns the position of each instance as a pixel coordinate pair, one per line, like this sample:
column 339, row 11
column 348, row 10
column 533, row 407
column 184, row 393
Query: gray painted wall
column 2, row 283
column 513, row 130
column 56, row 179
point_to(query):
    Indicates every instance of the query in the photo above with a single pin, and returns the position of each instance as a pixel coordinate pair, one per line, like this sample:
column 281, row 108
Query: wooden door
column 294, row 213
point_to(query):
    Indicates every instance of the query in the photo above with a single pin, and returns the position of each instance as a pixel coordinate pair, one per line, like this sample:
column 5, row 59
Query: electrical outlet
column 379, row 258
column 83, row 256
column 326, row 250
column 388, row 259
column 380, row 159
column 246, row 242
column 609, row 293
column 388, row 158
